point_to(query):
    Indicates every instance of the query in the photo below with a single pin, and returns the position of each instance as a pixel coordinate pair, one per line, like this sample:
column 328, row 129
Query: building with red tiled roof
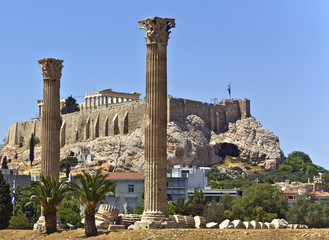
column 128, row 191
column 124, row 175
column 318, row 196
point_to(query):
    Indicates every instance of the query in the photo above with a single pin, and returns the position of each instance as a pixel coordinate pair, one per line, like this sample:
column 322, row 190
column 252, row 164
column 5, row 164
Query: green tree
column 72, row 161
column 70, row 213
column 198, row 201
column 182, row 206
column 317, row 215
column 214, row 212
column 4, row 164
column 286, row 168
column 298, row 155
column 298, row 213
column 92, row 191
column 71, row 105
column 260, row 202
column 313, row 214
column 216, row 175
column 32, row 211
column 32, row 149
column 6, row 207
column 19, row 221
column 49, row 194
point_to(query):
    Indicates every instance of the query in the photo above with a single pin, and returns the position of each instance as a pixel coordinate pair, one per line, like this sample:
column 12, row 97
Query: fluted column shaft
column 50, row 153
column 155, row 143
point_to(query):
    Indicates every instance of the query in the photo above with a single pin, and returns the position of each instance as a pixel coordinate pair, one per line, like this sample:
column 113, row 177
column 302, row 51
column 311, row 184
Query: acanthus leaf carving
column 157, row 29
column 51, row 68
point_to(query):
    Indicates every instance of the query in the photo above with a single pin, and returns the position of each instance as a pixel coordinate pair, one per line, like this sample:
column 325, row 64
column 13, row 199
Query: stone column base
column 154, row 224
column 41, row 224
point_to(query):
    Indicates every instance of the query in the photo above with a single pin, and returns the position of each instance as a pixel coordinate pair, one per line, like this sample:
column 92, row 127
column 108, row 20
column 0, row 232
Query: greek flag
column 14, row 193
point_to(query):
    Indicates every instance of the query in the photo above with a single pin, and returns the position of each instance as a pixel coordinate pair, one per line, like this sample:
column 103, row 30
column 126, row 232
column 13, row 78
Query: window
column 131, row 188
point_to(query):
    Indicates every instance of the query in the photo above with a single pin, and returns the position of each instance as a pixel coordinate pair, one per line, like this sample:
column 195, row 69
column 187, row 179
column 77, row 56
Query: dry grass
column 188, row 234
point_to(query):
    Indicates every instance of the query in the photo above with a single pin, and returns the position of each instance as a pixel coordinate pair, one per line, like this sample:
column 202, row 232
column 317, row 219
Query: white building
column 128, row 191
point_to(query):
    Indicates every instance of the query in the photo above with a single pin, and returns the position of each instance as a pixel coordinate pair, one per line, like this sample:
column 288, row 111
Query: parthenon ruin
column 105, row 97
column 99, row 99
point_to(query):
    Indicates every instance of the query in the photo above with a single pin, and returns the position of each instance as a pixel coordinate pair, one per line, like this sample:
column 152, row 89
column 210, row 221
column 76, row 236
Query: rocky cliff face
column 190, row 142
column 254, row 142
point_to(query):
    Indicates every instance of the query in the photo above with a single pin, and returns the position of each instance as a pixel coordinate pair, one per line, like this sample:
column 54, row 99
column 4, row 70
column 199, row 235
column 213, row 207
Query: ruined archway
column 106, row 127
column 87, row 129
column 96, row 127
column 116, row 129
column 125, row 123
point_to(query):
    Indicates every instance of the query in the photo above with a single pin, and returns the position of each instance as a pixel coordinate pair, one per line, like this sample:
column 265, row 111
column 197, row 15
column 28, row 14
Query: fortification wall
column 122, row 118
column 216, row 116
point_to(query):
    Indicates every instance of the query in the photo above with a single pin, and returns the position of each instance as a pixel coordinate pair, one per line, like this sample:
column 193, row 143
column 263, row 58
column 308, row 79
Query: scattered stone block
column 189, row 222
column 279, row 223
column 269, row 225
column 263, row 225
column 113, row 227
column 225, row 224
column 200, row 222
column 128, row 219
column 212, row 225
column 238, row 224
column 247, row 225
column 255, row 225
column 101, row 224
column 180, row 220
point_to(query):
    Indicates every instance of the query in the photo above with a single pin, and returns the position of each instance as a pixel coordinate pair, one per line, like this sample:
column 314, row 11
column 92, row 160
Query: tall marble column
column 155, row 145
column 89, row 103
column 50, row 151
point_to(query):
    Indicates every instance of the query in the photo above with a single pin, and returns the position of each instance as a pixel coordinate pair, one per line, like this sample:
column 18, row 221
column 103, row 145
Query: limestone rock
column 238, row 224
column 189, row 142
column 225, row 224
column 212, row 225
column 253, row 141
column 279, row 223
column 200, row 222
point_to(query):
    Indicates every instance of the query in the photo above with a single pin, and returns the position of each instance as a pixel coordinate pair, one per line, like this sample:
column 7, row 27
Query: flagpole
column 14, row 196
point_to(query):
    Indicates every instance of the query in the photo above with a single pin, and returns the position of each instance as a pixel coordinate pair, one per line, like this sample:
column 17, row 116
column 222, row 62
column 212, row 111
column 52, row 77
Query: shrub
column 20, row 221
column 21, row 141
column 70, row 213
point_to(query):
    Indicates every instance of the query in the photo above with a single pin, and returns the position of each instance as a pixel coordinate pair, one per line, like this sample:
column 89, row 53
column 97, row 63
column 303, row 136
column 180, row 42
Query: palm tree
column 182, row 206
column 92, row 191
column 49, row 193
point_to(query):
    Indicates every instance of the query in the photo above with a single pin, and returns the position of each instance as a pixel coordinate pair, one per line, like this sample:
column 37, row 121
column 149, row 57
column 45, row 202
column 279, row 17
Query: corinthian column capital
column 51, row 68
column 157, row 29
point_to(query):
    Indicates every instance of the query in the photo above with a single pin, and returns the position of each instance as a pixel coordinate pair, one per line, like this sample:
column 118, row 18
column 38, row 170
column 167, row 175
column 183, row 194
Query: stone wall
column 216, row 116
column 122, row 118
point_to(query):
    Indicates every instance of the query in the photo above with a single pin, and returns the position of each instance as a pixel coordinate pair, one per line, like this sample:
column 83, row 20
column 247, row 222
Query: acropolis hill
column 198, row 133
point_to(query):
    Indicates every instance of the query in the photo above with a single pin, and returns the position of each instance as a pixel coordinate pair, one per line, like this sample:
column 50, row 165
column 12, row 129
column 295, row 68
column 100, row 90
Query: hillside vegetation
column 298, row 167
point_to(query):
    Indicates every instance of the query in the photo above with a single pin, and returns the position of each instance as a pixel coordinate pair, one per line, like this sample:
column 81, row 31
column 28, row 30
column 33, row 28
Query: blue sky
column 275, row 52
